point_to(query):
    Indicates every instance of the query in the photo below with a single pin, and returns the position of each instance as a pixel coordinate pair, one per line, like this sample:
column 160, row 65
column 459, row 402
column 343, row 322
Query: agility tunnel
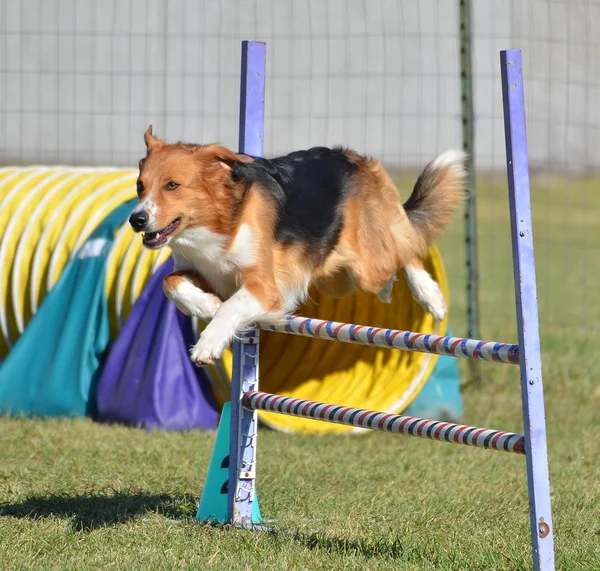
column 86, row 329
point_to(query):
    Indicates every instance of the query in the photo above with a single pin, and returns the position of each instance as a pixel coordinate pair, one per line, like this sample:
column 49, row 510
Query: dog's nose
column 138, row 220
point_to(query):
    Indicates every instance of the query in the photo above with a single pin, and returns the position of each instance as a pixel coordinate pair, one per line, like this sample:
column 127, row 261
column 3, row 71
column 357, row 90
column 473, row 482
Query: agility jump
column 246, row 398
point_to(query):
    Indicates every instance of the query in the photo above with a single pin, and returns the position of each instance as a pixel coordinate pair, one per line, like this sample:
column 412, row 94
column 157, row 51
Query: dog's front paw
column 201, row 356
column 207, row 350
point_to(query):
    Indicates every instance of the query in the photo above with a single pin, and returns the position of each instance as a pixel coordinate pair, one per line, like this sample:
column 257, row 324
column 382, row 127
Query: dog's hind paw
column 385, row 294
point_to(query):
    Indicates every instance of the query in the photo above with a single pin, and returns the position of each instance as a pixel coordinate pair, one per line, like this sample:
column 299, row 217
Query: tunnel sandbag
column 53, row 368
column 148, row 379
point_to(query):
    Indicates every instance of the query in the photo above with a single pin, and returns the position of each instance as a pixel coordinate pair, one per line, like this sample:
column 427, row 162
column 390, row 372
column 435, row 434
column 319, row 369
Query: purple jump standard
column 385, row 422
column 244, row 377
column 532, row 390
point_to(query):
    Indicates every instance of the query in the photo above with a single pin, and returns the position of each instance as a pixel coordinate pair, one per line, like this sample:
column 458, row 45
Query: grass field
column 77, row 495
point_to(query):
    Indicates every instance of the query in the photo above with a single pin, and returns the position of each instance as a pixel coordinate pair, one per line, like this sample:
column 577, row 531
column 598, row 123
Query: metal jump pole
column 473, row 349
column 532, row 390
column 242, row 447
column 387, row 422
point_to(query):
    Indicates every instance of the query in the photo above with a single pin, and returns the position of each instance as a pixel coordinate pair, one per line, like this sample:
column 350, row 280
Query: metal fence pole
column 466, row 83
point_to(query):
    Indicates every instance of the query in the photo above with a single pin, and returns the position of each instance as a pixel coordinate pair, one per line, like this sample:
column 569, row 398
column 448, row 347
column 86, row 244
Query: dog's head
column 181, row 187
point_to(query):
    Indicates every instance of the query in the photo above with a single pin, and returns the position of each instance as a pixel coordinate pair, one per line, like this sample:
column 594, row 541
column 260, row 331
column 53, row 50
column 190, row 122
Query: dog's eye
column 140, row 187
column 172, row 185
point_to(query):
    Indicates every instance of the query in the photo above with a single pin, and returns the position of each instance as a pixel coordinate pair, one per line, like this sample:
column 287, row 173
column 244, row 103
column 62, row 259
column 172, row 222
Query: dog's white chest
column 206, row 252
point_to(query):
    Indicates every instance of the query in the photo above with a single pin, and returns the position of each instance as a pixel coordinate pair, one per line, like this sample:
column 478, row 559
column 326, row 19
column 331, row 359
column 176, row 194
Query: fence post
column 468, row 134
column 242, row 448
column 532, row 390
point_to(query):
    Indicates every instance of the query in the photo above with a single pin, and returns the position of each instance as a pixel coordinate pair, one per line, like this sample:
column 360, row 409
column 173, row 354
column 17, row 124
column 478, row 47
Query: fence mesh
column 80, row 80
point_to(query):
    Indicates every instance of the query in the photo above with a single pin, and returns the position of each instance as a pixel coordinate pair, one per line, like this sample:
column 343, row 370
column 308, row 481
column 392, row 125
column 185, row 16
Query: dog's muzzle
column 138, row 220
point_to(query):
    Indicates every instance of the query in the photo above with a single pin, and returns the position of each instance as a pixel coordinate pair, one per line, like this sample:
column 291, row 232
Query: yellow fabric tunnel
column 47, row 214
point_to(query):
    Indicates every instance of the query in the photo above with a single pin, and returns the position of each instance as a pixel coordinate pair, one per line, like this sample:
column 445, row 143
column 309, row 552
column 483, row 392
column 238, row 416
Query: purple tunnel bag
column 148, row 379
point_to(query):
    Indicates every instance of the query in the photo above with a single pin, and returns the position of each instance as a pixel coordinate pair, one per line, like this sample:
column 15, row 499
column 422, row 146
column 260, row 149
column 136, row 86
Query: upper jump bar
column 387, row 422
column 395, row 339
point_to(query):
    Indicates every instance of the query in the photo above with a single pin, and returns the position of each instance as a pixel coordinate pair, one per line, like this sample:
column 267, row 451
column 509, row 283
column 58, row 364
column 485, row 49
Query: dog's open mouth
column 158, row 239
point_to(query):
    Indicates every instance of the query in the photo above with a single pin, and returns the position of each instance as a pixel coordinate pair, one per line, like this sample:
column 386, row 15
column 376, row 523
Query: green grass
column 77, row 495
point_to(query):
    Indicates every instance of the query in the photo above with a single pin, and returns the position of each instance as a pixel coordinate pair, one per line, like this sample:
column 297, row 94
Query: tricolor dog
column 251, row 235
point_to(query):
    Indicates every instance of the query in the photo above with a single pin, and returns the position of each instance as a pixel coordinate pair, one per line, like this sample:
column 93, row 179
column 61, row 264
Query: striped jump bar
column 409, row 425
column 395, row 339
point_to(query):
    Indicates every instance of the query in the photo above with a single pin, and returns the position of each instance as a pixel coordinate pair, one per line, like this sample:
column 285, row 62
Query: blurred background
column 80, row 81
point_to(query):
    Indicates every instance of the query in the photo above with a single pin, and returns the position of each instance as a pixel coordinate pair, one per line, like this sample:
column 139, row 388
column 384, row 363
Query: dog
column 251, row 235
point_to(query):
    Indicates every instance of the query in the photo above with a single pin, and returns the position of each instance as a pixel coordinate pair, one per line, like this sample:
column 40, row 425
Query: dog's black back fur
column 308, row 188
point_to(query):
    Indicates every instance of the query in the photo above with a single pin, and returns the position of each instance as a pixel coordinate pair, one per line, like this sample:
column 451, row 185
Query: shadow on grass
column 360, row 547
column 91, row 511
column 363, row 547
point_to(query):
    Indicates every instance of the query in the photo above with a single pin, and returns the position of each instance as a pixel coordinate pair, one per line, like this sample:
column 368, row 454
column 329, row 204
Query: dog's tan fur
column 378, row 236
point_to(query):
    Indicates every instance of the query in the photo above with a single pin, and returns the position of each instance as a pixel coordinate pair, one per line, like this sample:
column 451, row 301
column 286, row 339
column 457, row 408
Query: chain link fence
column 80, row 80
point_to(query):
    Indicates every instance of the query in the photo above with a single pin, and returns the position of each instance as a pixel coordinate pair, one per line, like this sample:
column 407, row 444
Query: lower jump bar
column 411, row 426
column 396, row 339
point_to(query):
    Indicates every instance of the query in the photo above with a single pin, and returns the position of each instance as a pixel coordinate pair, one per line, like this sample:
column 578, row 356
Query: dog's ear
column 151, row 141
column 226, row 159
column 220, row 162
column 220, row 156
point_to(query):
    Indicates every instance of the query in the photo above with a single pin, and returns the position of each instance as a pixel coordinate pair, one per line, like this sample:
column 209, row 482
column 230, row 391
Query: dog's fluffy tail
column 438, row 192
